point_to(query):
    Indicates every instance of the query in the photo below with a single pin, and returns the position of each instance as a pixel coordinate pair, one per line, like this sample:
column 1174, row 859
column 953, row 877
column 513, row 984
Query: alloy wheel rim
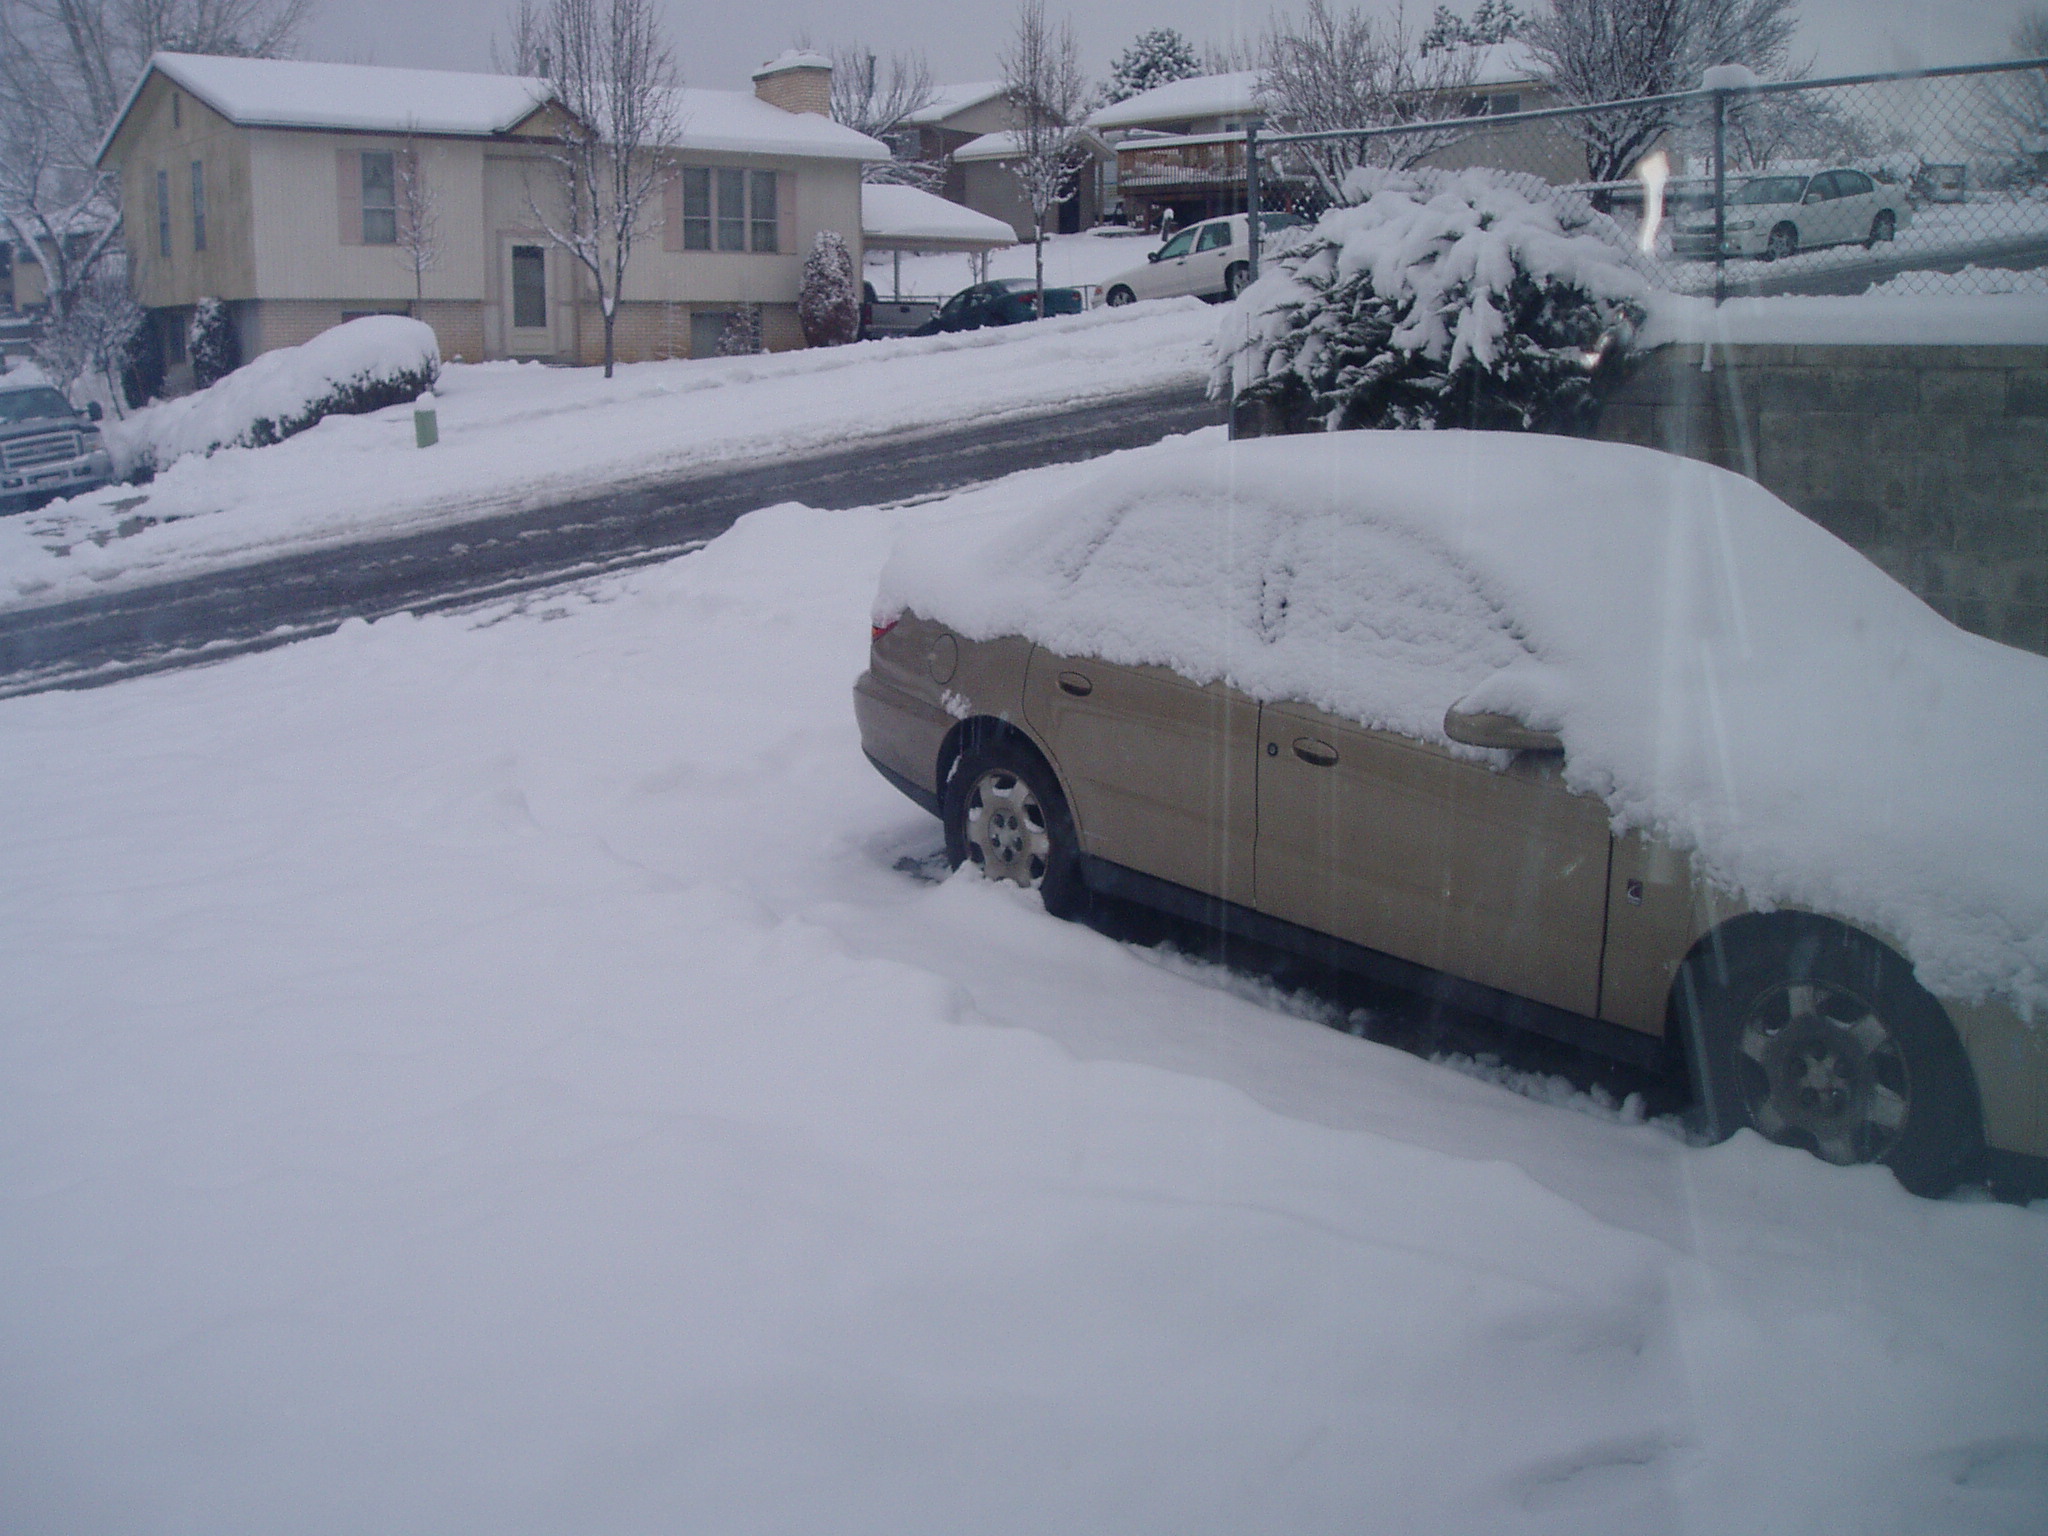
column 1007, row 834
column 1819, row 1068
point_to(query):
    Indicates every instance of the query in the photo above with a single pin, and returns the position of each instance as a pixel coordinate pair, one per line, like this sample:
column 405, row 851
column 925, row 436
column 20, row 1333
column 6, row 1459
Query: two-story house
column 281, row 187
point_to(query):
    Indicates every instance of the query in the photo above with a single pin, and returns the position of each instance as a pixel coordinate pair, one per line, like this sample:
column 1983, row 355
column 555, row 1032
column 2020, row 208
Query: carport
column 899, row 219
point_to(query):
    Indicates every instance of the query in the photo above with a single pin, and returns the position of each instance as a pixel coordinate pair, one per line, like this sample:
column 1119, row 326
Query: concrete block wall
column 1933, row 461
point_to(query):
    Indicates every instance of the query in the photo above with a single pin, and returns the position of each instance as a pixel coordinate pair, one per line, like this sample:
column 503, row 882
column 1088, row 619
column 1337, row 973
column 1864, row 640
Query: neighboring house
column 272, row 184
column 989, row 178
column 1180, row 146
column 954, row 117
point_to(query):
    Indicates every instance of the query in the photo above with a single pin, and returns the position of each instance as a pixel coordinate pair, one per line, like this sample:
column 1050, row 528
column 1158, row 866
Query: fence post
column 1720, row 197
column 1251, row 190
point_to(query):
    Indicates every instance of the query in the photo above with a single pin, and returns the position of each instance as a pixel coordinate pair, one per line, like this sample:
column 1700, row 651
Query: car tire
column 1784, row 241
column 1815, row 1036
column 1235, row 278
column 1119, row 296
column 1882, row 228
column 1003, row 812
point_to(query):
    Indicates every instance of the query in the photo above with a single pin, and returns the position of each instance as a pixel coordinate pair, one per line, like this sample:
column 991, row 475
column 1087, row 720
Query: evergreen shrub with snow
column 828, row 304
column 361, row 366
column 215, row 349
column 742, row 334
column 1434, row 299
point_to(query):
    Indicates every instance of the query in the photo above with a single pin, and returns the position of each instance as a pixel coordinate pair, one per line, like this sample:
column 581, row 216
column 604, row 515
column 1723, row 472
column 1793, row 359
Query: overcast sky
column 719, row 45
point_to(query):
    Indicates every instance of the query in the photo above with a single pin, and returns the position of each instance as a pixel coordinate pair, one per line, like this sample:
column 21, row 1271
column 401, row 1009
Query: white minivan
column 1210, row 260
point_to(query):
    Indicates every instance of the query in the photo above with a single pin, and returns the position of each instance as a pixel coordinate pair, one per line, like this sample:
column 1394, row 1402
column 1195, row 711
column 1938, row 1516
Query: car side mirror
column 1152, row 255
column 1503, row 733
column 93, row 411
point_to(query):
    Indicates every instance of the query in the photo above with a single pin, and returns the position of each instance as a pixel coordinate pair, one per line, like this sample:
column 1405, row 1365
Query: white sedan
column 1210, row 260
column 1773, row 216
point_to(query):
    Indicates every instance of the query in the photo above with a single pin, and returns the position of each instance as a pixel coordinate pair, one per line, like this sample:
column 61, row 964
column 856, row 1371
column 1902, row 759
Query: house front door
column 527, row 310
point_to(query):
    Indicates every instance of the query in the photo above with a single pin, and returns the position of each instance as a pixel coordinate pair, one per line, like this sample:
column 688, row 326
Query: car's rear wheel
column 1882, row 228
column 1119, row 296
column 1004, row 814
column 1818, row 1037
column 1235, row 279
column 1784, row 242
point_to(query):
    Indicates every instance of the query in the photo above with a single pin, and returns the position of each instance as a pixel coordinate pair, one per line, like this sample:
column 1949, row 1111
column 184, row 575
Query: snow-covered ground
column 484, row 1074
column 1070, row 261
column 519, row 435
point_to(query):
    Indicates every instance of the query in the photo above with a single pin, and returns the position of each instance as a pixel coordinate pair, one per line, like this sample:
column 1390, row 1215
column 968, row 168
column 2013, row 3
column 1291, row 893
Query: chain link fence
column 1934, row 182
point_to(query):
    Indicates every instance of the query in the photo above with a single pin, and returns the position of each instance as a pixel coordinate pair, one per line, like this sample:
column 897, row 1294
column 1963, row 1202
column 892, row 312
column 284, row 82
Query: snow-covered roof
column 371, row 98
column 1508, row 63
column 955, row 98
column 910, row 218
column 739, row 122
column 1007, row 145
column 1183, row 100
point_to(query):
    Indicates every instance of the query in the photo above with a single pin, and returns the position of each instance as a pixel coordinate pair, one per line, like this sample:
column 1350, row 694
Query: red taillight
column 876, row 631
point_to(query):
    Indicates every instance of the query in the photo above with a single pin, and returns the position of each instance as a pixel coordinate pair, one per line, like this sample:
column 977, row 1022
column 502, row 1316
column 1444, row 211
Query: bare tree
column 1617, row 50
column 1330, row 70
column 875, row 99
column 94, row 336
column 614, row 78
column 2012, row 109
column 98, row 48
column 418, row 205
column 525, row 50
column 1042, row 73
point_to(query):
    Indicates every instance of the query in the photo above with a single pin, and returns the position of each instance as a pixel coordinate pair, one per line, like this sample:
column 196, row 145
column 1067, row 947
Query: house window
column 380, row 198
column 529, row 288
column 198, row 206
column 1507, row 101
column 732, row 210
column 177, row 110
column 696, row 209
column 763, row 183
column 163, row 214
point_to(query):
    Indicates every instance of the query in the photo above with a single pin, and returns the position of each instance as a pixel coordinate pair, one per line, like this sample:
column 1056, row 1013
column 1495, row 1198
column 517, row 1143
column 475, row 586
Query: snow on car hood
column 1726, row 675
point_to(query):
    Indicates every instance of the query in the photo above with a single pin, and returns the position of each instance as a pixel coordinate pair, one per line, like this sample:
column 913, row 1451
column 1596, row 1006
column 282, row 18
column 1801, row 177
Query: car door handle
column 1076, row 684
column 1319, row 753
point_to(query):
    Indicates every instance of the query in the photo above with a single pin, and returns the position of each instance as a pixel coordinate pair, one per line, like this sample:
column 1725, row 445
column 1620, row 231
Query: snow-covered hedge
column 361, row 366
column 1434, row 299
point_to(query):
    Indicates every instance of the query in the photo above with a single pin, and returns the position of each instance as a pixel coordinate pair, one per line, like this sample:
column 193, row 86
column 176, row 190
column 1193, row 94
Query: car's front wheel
column 1882, row 228
column 1235, row 279
column 1784, row 242
column 1818, row 1037
column 1004, row 814
column 1119, row 296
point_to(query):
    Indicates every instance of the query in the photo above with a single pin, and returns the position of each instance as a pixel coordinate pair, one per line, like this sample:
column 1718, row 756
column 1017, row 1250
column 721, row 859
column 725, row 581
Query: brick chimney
column 796, row 82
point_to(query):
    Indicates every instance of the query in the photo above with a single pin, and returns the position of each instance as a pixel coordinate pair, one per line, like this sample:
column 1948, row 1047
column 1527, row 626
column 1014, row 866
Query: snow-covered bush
column 1152, row 59
column 361, row 366
column 742, row 334
column 215, row 349
column 1433, row 299
column 828, row 305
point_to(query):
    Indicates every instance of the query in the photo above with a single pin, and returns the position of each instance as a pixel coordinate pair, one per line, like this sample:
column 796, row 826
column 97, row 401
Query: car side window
column 1214, row 236
column 1853, row 184
column 1179, row 245
column 1821, row 188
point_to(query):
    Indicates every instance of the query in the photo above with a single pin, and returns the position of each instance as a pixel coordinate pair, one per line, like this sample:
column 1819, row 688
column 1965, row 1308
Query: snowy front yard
column 485, row 1074
column 522, row 435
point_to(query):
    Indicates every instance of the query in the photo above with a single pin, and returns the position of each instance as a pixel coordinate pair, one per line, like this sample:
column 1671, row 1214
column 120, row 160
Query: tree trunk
column 610, row 319
column 1038, row 247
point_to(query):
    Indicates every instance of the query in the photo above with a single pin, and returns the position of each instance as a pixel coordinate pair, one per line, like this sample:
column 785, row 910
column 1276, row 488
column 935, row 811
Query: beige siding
column 167, row 131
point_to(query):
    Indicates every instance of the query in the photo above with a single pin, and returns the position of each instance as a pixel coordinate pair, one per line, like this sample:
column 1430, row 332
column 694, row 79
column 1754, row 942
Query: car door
column 1859, row 202
column 1161, row 772
column 1495, row 875
column 1162, row 278
column 1823, row 224
column 1210, row 258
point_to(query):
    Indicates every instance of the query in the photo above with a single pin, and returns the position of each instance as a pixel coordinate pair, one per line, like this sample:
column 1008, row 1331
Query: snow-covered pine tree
column 215, row 351
column 1154, row 58
column 1490, row 23
column 742, row 334
column 1439, row 299
column 828, row 305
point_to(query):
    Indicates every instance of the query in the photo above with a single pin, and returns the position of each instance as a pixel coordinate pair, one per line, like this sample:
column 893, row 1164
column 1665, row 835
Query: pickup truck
column 47, row 449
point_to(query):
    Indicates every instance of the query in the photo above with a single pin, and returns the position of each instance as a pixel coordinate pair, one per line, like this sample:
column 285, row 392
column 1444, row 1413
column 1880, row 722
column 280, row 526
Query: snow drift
column 360, row 366
column 1725, row 674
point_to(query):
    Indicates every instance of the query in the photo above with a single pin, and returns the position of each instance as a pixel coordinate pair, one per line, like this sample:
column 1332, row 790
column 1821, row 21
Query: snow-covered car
column 1002, row 301
column 1774, row 216
column 1210, row 260
column 1611, row 745
column 47, row 449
